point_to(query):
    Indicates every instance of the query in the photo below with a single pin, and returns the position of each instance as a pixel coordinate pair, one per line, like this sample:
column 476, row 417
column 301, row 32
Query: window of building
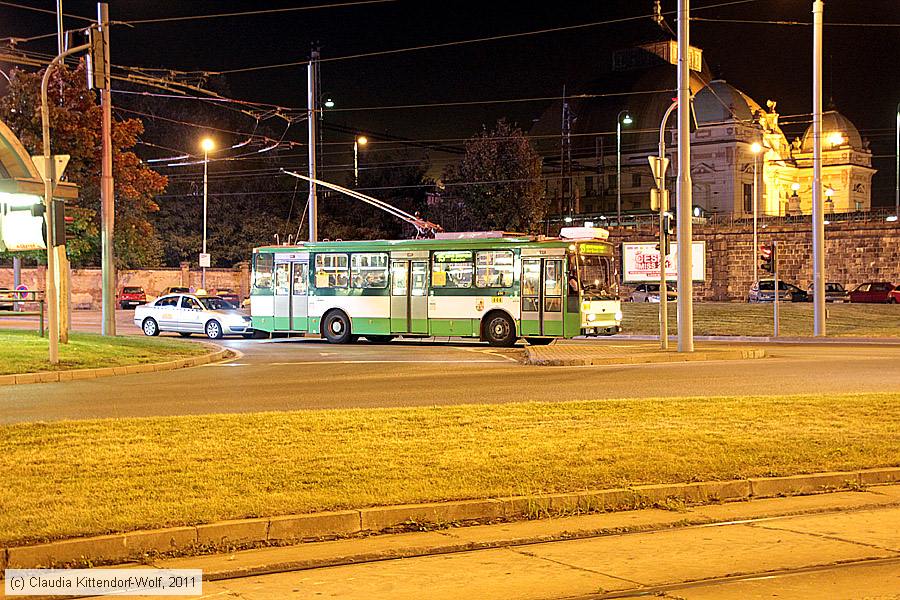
column 332, row 271
column 613, row 181
column 635, row 180
column 589, row 185
column 452, row 269
column 494, row 269
column 263, row 264
column 369, row 270
column 748, row 198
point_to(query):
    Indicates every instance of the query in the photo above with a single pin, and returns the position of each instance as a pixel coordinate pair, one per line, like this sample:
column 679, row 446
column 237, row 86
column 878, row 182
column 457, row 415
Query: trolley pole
column 312, row 115
column 685, row 226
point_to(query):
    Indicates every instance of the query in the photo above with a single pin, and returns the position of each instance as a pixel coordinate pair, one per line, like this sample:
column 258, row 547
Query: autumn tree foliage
column 498, row 181
column 75, row 127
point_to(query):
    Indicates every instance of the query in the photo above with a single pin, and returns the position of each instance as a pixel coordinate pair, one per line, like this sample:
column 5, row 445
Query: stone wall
column 854, row 253
column 86, row 283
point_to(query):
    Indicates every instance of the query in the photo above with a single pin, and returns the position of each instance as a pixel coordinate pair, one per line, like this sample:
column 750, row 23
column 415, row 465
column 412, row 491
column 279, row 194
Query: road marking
column 354, row 362
column 490, row 352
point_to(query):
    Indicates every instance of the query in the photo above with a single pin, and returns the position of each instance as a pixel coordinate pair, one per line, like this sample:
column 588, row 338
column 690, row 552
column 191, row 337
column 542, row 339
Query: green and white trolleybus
column 488, row 285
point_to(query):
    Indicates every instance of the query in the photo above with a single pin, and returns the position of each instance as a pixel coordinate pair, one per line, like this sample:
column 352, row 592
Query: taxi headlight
column 618, row 315
column 591, row 317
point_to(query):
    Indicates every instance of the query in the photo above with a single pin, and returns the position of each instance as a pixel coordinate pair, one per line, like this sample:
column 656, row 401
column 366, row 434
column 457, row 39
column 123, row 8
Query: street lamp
column 207, row 145
column 360, row 140
column 897, row 188
column 623, row 118
column 756, row 149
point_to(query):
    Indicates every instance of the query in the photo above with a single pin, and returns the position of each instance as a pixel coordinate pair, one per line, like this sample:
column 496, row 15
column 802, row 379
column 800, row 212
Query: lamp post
column 755, row 148
column 897, row 185
column 360, row 140
column 623, row 118
column 207, row 145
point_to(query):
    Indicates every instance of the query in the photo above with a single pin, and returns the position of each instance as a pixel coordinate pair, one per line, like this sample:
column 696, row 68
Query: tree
column 499, row 181
column 75, row 128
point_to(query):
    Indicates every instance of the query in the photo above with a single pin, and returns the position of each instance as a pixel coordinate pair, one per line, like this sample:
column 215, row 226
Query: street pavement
column 843, row 547
column 306, row 373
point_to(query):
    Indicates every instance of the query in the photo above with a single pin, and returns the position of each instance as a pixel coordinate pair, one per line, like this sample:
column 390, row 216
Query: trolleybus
column 492, row 286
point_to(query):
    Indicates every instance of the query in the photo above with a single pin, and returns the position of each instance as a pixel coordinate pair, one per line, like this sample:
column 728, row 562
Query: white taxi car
column 192, row 313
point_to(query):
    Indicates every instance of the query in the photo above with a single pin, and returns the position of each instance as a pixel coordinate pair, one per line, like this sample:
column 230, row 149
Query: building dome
column 720, row 102
column 837, row 131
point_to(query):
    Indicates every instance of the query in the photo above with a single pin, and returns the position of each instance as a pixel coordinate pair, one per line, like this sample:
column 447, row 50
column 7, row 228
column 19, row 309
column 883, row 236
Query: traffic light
column 668, row 228
column 767, row 257
column 96, row 59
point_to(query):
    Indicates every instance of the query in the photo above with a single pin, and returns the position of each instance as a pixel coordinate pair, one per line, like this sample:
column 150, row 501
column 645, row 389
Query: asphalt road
column 297, row 374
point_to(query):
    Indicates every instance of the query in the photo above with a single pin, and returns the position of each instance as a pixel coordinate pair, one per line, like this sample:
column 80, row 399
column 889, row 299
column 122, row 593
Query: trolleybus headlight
column 592, row 317
column 618, row 315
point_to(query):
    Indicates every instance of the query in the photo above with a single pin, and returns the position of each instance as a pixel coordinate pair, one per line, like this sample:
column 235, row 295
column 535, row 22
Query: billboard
column 640, row 262
column 21, row 222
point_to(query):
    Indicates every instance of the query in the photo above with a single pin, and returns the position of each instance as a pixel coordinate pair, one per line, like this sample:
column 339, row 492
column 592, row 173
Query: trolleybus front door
column 543, row 287
column 409, row 303
column 299, row 284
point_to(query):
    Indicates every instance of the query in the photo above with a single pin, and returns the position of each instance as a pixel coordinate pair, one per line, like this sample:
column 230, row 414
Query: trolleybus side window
column 300, row 278
column 332, row 271
column 419, row 278
column 369, row 270
column 398, row 278
column 494, row 269
column 264, row 262
column 282, row 279
column 452, row 269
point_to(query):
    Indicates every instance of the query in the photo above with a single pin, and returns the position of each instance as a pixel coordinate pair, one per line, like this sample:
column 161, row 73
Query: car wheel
column 892, row 300
column 150, row 327
column 213, row 330
column 123, row 306
column 336, row 328
column 184, row 333
column 647, row 299
column 379, row 339
column 499, row 330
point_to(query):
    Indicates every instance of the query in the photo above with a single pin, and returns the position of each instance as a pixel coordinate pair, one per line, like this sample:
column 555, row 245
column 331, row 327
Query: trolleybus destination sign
column 640, row 262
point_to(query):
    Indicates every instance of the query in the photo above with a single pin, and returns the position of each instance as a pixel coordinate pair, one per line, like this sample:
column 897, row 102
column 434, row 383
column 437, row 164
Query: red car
column 229, row 295
column 130, row 297
column 894, row 297
column 880, row 292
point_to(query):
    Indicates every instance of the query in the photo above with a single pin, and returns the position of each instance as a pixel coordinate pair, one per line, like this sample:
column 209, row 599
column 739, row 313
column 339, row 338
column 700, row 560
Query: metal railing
column 20, row 297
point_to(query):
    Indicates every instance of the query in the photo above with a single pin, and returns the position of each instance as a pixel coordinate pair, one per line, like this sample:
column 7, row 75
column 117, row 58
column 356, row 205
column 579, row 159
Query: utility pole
column 63, row 274
column 107, row 193
column 897, row 183
column 685, row 226
column 312, row 115
column 818, row 207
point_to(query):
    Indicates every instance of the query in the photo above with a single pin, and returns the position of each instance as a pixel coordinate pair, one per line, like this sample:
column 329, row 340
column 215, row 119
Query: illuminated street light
column 835, row 139
column 329, row 103
column 360, row 140
column 207, row 145
column 623, row 118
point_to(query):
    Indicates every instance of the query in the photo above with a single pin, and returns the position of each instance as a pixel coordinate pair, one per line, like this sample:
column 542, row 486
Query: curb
column 283, row 530
column 76, row 374
column 532, row 357
column 877, row 341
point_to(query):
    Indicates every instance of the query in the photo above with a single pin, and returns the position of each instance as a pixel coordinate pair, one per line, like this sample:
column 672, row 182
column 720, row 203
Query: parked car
column 649, row 292
column 873, row 291
column 130, row 297
column 894, row 297
column 834, row 292
column 230, row 295
column 190, row 313
column 175, row 289
column 797, row 294
column 764, row 291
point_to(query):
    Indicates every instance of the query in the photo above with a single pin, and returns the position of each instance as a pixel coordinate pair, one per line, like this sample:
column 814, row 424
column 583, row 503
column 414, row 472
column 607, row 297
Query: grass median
column 26, row 351
column 90, row 477
column 795, row 319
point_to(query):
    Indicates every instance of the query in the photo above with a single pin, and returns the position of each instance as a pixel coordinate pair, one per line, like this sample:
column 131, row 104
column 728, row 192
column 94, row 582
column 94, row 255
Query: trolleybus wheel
column 336, row 328
column 499, row 330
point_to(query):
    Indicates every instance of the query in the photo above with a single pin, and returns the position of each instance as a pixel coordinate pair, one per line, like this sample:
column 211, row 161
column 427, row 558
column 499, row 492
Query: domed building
column 578, row 138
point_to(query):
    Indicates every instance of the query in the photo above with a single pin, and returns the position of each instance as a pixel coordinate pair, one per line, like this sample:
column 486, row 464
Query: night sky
column 764, row 60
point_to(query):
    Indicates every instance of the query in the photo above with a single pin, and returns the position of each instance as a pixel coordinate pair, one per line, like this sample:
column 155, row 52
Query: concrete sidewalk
column 626, row 352
column 714, row 551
